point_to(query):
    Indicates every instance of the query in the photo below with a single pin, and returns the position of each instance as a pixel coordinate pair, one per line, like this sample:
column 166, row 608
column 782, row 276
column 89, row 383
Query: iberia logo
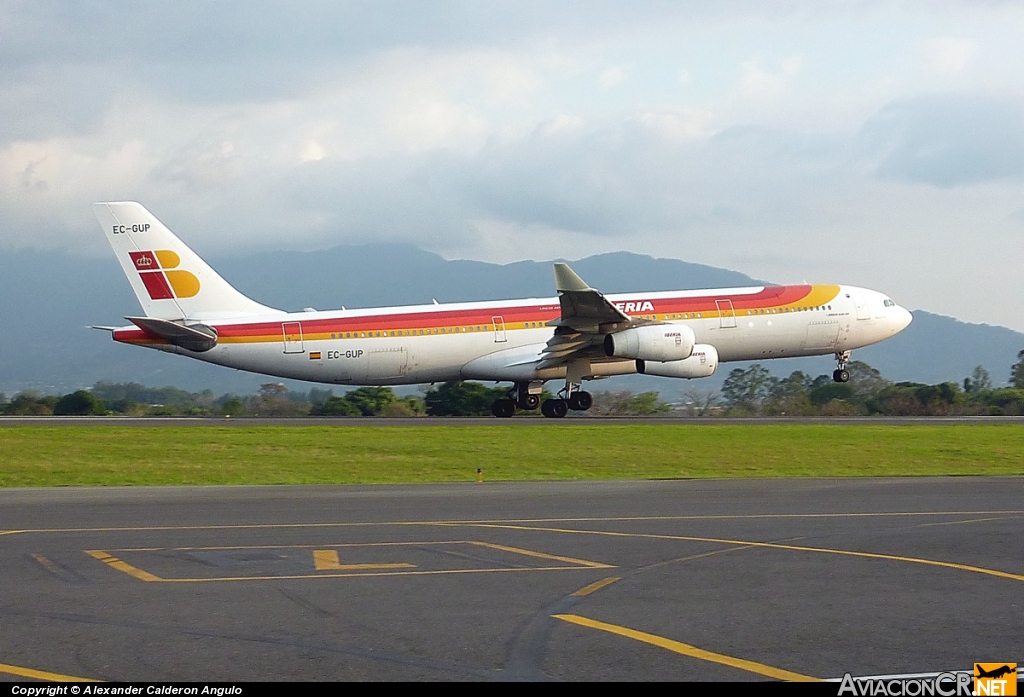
column 995, row 678
column 162, row 278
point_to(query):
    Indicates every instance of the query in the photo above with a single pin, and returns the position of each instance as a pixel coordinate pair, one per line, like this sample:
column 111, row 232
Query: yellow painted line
column 437, row 572
column 691, row 651
column 116, row 563
column 313, row 546
column 596, row 586
column 771, row 545
column 41, row 674
column 283, row 526
column 46, row 563
column 964, row 522
column 327, row 560
column 542, row 555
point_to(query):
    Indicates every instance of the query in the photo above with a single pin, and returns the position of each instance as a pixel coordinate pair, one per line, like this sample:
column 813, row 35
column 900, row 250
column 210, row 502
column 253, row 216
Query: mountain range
column 48, row 299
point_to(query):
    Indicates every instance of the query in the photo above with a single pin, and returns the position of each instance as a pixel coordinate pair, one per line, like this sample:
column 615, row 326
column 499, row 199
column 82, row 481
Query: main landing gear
column 572, row 397
column 524, row 395
column 521, row 398
column 841, row 374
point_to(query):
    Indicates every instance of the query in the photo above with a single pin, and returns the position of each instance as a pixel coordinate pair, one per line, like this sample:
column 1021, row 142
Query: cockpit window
column 889, row 303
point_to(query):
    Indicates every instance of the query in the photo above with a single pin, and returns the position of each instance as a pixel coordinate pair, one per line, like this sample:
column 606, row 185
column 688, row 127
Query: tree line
column 276, row 400
column 751, row 391
column 754, row 391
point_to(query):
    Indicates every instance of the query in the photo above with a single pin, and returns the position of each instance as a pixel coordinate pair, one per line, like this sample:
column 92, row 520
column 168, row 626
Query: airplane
column 578, row 336
column 995, row 672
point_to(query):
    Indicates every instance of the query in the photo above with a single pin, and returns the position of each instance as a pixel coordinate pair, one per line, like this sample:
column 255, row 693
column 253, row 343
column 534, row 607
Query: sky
column 878, row 144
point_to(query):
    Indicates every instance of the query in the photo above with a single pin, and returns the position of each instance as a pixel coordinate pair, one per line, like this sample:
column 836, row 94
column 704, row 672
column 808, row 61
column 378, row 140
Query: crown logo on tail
column 163, row 280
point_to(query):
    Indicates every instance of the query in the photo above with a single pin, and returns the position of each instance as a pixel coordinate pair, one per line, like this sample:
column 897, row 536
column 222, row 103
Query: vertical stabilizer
column 169, row 279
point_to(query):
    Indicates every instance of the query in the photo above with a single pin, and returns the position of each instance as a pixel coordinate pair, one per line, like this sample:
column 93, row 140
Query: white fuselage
column 503, row 341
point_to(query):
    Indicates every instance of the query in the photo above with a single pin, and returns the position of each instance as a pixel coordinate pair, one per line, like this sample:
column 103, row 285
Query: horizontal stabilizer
column 194, row 337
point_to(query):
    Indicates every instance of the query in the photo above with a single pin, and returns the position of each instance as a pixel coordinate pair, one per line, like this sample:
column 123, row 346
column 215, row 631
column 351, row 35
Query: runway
column 653, row 580
column 574, row 419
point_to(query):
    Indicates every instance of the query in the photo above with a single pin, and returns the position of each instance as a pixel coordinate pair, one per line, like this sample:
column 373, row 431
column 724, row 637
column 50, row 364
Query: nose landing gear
column 841, row 374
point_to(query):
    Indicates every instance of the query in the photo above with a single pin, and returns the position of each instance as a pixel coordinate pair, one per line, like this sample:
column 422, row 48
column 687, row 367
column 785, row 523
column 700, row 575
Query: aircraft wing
column 586, row 317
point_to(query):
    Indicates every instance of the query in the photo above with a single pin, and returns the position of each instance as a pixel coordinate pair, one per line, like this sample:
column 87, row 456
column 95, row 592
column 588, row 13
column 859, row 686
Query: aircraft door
column 292, row 332
column 499, row 330
column 726, row 313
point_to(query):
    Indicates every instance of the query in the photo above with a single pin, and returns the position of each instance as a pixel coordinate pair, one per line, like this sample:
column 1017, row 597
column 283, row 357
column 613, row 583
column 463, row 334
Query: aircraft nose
column 903, row 318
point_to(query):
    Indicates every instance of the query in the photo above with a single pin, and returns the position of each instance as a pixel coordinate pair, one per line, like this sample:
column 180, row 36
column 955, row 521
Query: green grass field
column 113, row 455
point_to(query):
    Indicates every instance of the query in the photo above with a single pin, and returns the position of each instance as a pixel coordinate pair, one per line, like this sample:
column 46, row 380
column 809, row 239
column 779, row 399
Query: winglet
column 566, row 279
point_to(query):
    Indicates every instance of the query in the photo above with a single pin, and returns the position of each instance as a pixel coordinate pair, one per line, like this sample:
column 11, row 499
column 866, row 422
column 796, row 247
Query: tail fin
column 169, row 279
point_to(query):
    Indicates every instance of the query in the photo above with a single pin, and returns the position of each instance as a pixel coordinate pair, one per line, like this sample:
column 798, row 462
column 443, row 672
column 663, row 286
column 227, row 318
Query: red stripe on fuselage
column 771, row 296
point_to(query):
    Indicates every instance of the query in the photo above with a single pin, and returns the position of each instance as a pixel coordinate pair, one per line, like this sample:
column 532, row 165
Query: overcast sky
column 877, row 144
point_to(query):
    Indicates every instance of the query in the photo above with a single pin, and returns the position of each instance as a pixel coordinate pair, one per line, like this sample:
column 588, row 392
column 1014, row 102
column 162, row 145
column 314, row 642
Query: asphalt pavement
column 655, row 580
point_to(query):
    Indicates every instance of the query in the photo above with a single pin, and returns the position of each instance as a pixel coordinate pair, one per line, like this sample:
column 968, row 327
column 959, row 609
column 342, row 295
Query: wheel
column 554, row 408
column 841, row 375
column 581, row 401
column 529, row 402
column 503, row 408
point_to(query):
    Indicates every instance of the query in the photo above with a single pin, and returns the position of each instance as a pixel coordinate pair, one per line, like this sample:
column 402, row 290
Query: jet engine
column 701, row 364
column 656, row 342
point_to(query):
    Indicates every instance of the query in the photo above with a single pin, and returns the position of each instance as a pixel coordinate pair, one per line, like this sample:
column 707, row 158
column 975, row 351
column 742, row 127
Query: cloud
column 950, row 140
column 612, row 77
column 757, row 80
column 787, row 145
column 949, row 56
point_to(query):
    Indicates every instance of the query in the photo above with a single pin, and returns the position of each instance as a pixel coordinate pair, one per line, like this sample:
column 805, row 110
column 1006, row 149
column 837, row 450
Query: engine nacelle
column 656, row 342
column 701, row 364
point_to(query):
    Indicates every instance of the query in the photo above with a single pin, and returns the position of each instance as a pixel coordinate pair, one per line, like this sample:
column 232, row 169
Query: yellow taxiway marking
column 596, row 586
column 339, row 545
column 768, row 545
column 964, row 522
column 46, row 563
column 687, row 650
column 327, row 560
column 285, row 526
column 124, row 566
column 41, row 674
column 542, row 555
column 437, row 572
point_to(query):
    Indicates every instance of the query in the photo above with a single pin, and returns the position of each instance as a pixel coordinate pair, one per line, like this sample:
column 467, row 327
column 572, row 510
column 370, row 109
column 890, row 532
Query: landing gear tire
column 554, row 408
column 841, row 375
column 503, row 408
column 580, row 401
column 529, row 402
